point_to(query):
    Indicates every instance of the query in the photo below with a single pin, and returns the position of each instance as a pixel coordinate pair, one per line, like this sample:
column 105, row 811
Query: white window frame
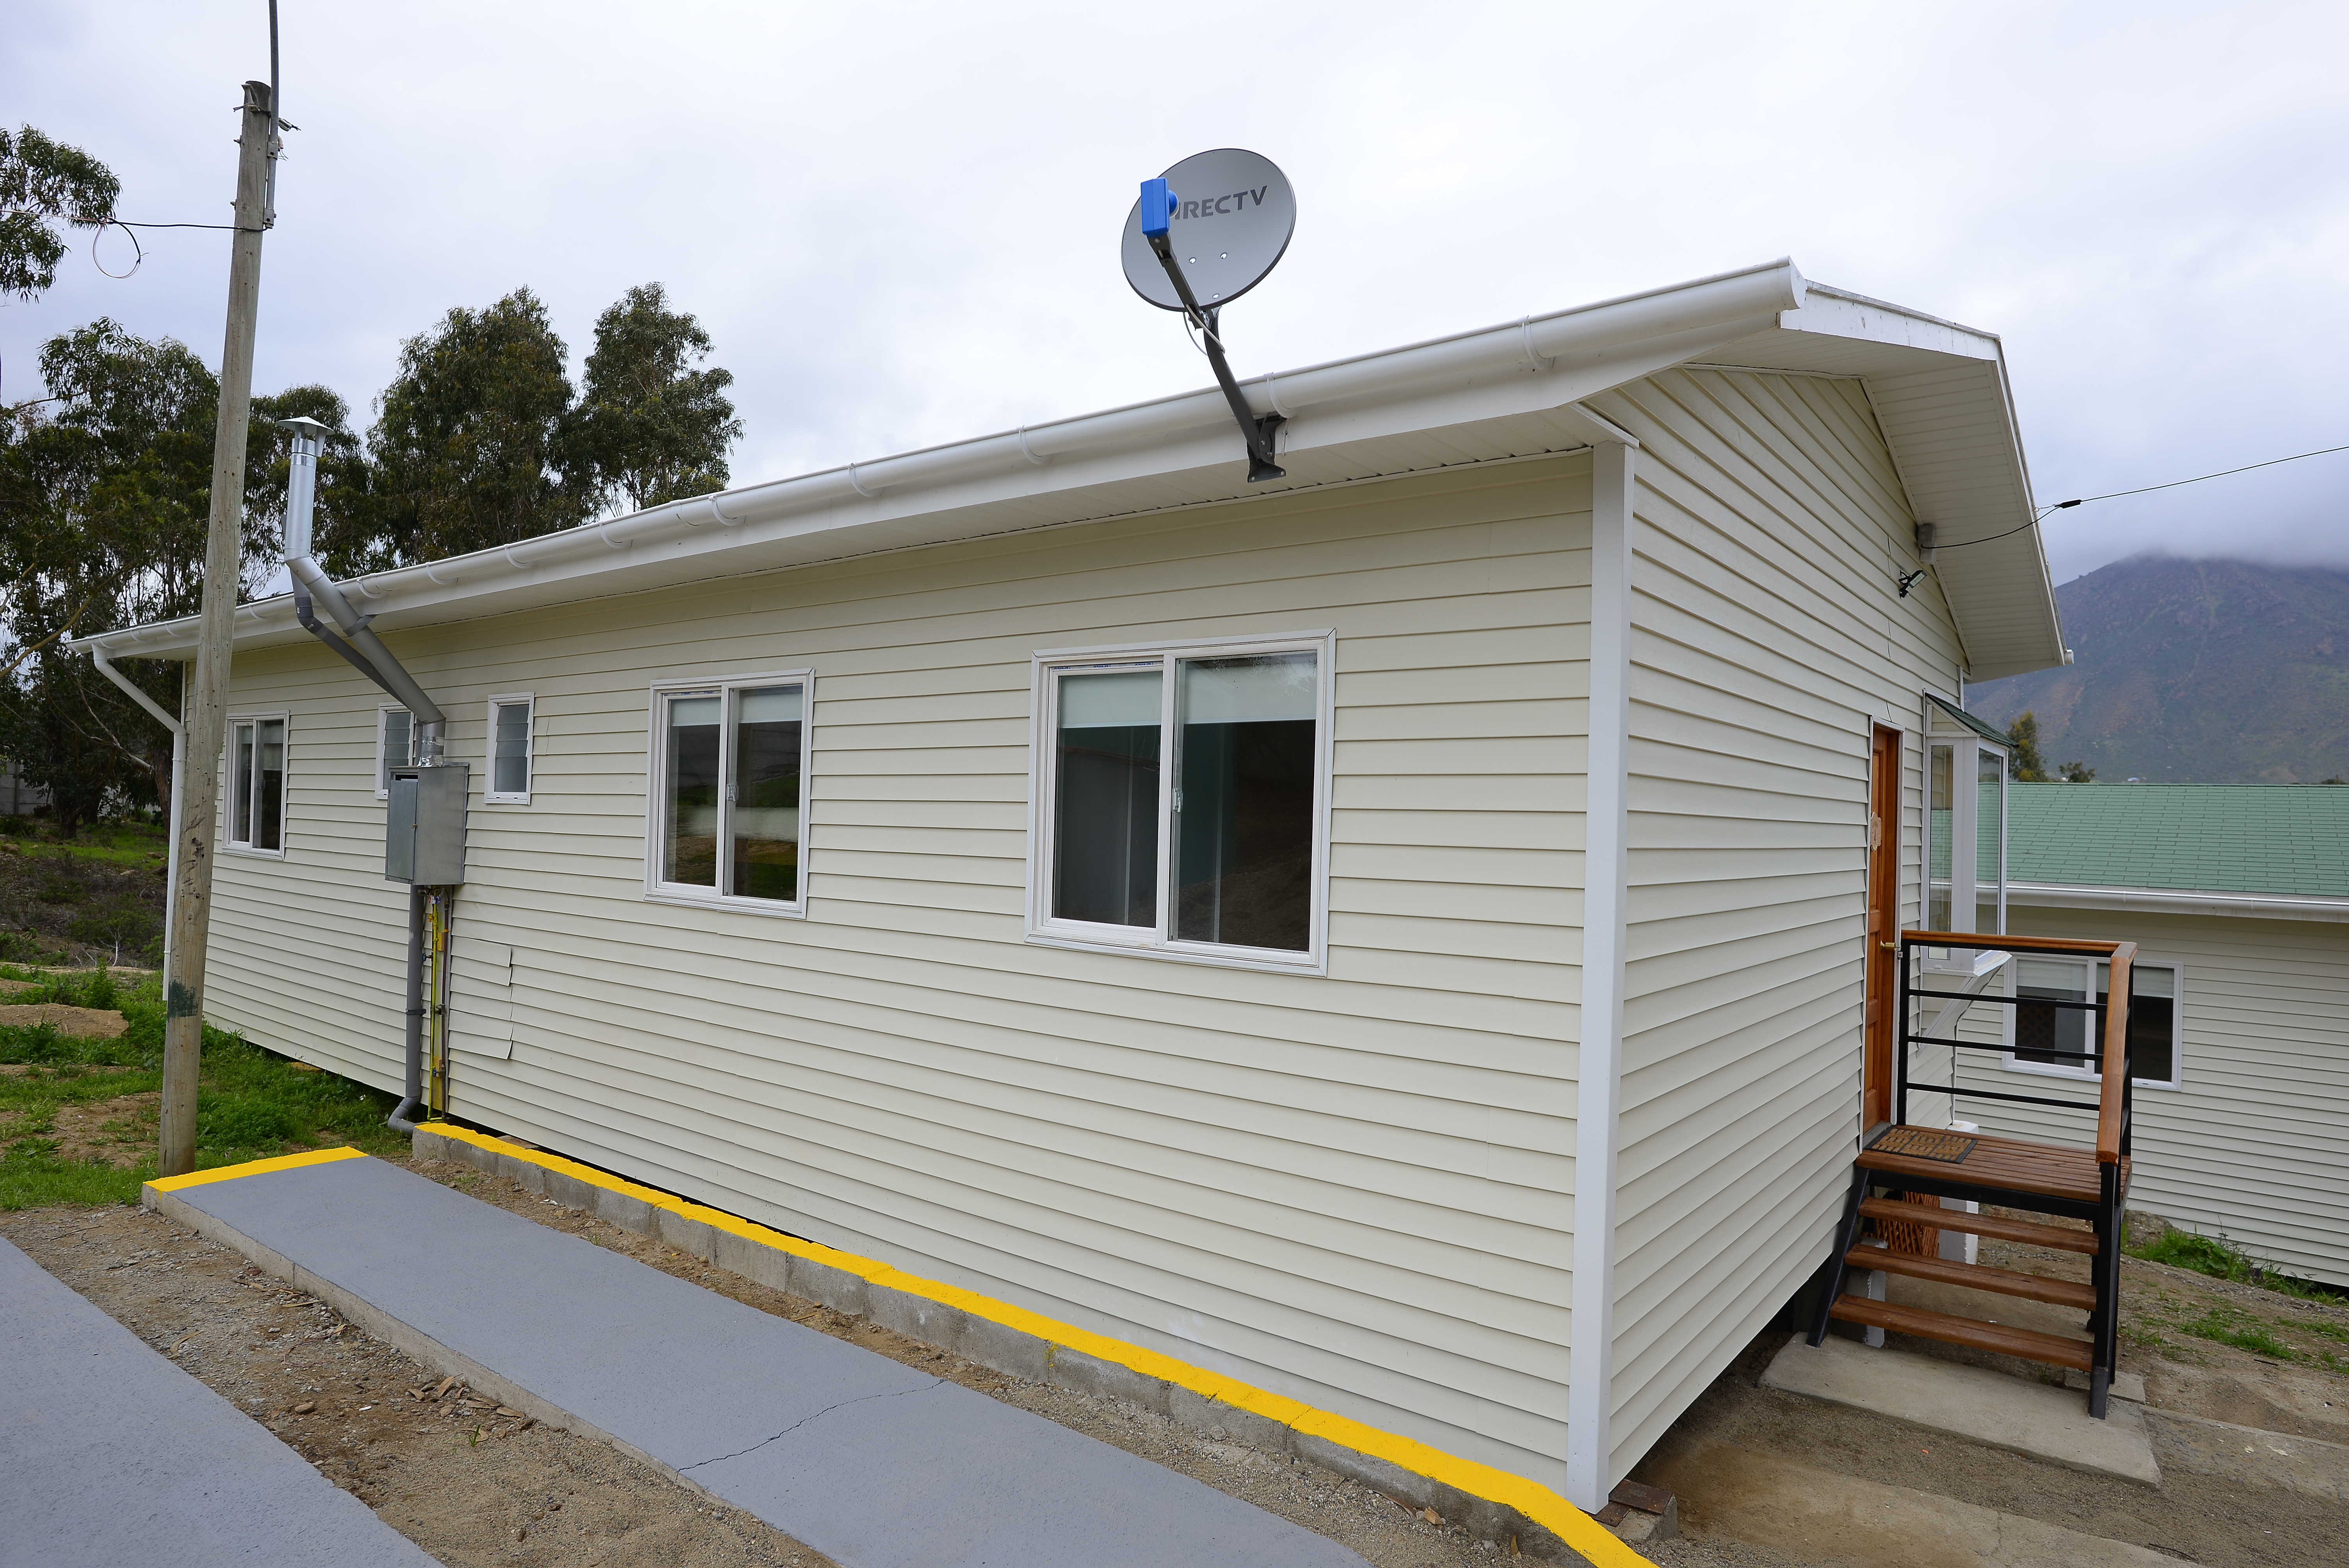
column 491, row 795
column 230, row 845
column 657, row 751
column 383, row 762
column 1154, row 941
column 1966, row 751
column 2176, row 1078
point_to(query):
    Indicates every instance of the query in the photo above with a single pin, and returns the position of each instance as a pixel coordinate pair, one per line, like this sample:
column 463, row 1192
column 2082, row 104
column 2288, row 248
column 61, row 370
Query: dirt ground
column 461, row 1481
column 2168, row 1314
column 84, row 903
column 469, row 1486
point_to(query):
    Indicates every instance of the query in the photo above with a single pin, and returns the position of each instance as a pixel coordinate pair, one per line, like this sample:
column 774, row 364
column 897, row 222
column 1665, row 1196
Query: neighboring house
column 18, row 799
column 1414, row 936
column 2237, row 898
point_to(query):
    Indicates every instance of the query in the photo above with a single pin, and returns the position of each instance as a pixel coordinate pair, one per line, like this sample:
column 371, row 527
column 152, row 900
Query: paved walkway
column 863, row 1459
column 110, row 1455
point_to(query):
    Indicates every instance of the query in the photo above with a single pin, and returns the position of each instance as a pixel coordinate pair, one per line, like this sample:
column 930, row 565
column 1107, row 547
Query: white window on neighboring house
column 2046, row 1038
column 256, row 785
column 728, row 771
column 395, row 747
column 509, row 750
column 1183, row 800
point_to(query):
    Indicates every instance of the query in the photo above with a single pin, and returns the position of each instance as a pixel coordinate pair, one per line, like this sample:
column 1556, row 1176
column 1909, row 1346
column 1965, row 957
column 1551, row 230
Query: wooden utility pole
column 183, row 995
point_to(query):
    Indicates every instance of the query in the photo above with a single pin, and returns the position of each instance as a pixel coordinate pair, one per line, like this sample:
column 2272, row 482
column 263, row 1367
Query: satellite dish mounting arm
column 1157, row 211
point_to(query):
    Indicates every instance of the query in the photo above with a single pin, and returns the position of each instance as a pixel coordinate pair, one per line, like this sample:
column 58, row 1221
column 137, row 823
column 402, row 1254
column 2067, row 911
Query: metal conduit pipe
column 413, row 1085
column 365, row 652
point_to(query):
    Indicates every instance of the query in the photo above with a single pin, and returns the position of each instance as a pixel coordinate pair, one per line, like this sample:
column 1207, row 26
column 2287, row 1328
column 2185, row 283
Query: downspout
column 178, row 779
column 365, row 652
column 1598, row 1075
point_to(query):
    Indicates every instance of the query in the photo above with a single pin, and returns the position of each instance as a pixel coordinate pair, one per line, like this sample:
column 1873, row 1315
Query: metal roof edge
column 2177, row 901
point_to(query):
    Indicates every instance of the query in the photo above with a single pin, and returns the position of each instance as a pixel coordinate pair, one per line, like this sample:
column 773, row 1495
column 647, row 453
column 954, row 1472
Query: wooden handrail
column 2116, row 1055
column 2015, row 944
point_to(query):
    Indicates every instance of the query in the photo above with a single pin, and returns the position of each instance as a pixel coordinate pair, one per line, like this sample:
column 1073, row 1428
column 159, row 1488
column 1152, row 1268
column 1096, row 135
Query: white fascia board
column 1941, row 398
column 2177, row 901
column 1174, row 451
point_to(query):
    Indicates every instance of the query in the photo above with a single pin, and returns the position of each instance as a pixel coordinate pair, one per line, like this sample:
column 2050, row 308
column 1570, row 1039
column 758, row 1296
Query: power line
column 2144, row 490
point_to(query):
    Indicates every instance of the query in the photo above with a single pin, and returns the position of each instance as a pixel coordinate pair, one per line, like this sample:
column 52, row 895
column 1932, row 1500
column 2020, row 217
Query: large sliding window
column 729, row 762
column 1180, row 795
column 256, row 785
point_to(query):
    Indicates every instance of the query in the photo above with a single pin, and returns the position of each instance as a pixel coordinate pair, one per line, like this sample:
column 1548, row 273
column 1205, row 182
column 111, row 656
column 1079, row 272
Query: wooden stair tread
column 1998, row 1227
column 1977, row 1276
column 2012, row 1164
column 1924, row 1323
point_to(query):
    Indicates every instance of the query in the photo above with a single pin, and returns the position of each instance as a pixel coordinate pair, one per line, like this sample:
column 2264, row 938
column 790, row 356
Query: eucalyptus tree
column 45, row 184
column 653, row 423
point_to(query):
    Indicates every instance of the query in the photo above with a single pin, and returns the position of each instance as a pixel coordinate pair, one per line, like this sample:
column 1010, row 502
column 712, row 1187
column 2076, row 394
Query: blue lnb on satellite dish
column 1157, row 206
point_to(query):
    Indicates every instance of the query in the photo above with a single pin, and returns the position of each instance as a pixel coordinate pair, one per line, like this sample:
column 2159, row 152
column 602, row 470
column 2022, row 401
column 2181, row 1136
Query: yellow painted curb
column 1534, row 1500
column 254, row 1168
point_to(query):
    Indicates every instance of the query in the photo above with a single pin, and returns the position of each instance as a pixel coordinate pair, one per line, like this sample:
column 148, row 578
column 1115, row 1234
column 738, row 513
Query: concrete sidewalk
column 865, row 1460
column 111, row 1455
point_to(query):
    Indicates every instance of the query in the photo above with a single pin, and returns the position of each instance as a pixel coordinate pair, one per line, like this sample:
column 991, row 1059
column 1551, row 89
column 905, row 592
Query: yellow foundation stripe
column 1531, row 1498
column 254, row 1168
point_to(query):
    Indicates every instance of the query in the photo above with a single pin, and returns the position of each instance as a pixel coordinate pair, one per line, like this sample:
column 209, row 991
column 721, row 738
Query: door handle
column 1889, row 946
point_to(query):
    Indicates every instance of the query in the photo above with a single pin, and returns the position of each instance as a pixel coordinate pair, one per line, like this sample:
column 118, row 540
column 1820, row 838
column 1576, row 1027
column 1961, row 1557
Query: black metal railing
column 2099, row 1011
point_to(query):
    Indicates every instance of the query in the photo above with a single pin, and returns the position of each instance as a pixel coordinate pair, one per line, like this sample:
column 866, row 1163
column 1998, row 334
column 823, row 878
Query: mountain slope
column 2217, row 672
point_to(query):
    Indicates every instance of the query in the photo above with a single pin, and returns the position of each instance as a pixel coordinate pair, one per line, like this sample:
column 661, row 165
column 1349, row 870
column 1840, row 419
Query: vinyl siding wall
column 2254, row 1144
column 1355, row 1188
column 1767, row 637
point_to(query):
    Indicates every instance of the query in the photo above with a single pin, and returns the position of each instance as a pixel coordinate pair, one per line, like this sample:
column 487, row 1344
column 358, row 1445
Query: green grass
column 115, row 843
column 2221, row 1259
column 2224, row 1325
column 251, row 1103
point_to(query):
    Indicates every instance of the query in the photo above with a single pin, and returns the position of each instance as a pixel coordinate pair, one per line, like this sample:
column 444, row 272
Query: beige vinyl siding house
column 1547, row 1109
column 2237, row 898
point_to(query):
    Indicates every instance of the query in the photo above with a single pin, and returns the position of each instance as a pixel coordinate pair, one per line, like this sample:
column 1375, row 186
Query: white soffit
column 1504, row 392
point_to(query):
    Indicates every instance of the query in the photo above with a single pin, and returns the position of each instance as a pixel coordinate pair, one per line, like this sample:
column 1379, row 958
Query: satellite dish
column 1201, row 236
column 1232, row 215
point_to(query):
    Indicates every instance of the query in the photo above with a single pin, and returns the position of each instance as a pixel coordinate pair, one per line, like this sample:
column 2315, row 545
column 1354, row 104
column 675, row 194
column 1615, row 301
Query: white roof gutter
column 1454, row 379
column 2177, row 901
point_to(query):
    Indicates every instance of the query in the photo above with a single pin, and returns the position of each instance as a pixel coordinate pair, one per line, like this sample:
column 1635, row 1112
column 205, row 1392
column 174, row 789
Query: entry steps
column 2012, row 1173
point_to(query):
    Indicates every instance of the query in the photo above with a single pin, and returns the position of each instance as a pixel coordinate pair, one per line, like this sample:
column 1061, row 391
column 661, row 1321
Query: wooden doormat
column 1924, row 1143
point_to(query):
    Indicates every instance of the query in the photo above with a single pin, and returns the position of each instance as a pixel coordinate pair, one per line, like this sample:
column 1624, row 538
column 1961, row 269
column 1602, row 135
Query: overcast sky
column 899, row 222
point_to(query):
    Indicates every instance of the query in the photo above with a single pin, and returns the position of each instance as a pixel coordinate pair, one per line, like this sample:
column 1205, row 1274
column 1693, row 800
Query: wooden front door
column 1882, row 988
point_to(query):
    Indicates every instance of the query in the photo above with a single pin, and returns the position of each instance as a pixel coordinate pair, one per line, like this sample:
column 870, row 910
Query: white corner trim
column 1590, row 1353
column 2177, row 901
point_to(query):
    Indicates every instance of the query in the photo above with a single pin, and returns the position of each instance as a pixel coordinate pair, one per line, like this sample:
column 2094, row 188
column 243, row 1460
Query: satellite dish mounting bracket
column 1158, row 204
column 1255, row 428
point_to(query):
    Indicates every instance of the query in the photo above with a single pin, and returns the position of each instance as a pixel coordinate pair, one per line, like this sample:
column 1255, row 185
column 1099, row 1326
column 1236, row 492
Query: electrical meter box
column 424, row 830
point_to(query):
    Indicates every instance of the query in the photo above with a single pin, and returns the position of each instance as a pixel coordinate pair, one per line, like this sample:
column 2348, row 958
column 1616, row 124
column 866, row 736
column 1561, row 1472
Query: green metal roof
column 2290, row 839
column 1972, row 721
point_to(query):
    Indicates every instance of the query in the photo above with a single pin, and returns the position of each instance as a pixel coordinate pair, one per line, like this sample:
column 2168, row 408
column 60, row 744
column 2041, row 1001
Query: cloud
column 900, row 220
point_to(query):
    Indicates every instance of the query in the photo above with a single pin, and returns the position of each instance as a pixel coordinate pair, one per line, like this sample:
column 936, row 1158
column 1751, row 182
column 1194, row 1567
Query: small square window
column 256, row 785
column 395, row 746
column 1183, row 796
column 510, row 730
column 730, row 765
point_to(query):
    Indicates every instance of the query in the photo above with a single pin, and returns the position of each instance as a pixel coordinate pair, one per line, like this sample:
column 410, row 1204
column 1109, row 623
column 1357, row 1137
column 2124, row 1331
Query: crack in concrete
column 803, row 1421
